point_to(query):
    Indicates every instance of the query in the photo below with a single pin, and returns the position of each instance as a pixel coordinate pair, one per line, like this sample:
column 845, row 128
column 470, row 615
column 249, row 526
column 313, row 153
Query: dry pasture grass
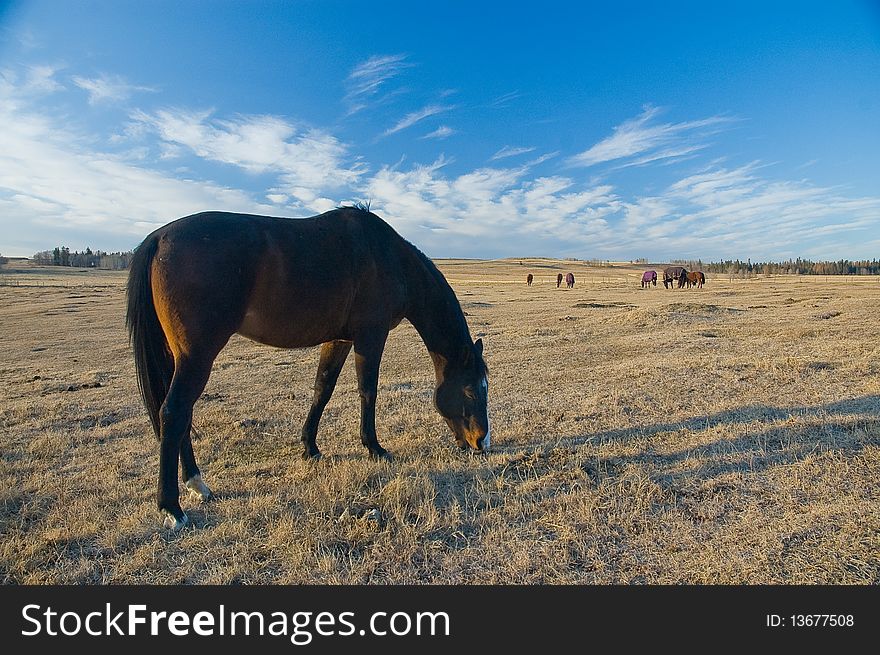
column 724, row 435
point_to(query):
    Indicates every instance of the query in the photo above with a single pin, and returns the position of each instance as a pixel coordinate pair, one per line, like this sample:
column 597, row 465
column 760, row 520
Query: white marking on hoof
column 198, row 488
column 172, row 523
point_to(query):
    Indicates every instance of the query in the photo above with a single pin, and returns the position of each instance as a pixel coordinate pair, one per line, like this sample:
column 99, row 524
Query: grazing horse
column 569, row 280
column 342, row 279
column 696, row 279
column 673, row 274
column 558, row 280
column 649, row 277
column 529, row 279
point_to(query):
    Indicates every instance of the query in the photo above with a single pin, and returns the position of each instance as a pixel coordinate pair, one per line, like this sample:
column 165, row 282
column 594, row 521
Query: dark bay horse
column 696, row 279
column 648, row 277
column 529, row 279
column 569, row 280
column 342, row 279
column 674, row 274
column 558, row 280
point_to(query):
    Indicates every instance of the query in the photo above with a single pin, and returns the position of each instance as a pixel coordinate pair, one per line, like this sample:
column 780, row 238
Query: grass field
column 723, row 435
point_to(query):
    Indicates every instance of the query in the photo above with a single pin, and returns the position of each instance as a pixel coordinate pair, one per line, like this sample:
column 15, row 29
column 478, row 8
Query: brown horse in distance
column 696, row 279
column 529, row 279
column 340, row 280
column 558, row 280
column 569, row 280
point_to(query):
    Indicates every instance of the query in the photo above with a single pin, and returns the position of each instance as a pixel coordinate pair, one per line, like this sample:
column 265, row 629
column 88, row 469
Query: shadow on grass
column 845, row 427
column 764, row 413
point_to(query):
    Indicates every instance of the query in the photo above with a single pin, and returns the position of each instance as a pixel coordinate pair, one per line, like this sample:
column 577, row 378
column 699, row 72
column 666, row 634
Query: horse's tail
column 152, row 358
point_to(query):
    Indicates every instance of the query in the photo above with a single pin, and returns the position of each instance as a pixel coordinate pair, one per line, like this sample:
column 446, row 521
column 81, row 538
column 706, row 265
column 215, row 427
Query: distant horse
column 696, row 279
column 674, row 274
column 649, row 277
column 569, row 280
column 342, row 279
column 529, row 279
column 558, row 280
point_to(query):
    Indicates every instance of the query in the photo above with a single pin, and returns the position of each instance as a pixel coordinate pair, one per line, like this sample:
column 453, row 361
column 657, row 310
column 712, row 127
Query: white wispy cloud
column 56, row 188
column 308, row 162
column 440, row 133
column 414, row 117
column 29, row 81
column 722, row 212
column 41, row 78
column 510, row 151
column 26, row 39
column 367, row 78
column 667, row 155
column 654, row 141
column 108, row 88
column 490, row 211
column 541, row 159
column 504, row 100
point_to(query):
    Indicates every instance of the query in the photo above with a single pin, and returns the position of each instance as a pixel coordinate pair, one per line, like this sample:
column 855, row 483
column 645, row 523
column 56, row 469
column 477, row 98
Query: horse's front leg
column 368, row 348
column 333, row 355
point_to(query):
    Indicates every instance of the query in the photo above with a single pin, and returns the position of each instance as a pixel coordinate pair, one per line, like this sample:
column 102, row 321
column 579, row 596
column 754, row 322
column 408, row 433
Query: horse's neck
column 436, row 315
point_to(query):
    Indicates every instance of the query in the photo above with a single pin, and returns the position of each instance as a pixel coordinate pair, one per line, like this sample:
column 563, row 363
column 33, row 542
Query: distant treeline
column 788, row 267
column 115, row 261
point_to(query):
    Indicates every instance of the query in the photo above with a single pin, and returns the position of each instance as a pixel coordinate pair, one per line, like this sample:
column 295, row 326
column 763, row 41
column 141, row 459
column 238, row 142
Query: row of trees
column 87, row 259
column 61, row 256
column 794, row 267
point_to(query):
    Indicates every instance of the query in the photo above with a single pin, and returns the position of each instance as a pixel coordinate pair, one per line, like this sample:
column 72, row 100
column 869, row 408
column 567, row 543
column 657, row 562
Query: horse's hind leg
column 192, row 476
column 333, row 355
column 175, row 419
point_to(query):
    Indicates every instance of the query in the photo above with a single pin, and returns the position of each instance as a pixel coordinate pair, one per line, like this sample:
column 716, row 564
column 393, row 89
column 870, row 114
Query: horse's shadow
column 845, row 426
column 748, row 414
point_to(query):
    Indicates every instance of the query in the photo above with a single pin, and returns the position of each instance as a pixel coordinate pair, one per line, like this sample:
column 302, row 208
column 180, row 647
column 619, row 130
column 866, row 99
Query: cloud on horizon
column 57, row 179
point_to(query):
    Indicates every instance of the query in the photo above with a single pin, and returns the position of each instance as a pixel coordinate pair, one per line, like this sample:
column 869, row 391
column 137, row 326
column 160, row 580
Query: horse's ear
column 478, row 344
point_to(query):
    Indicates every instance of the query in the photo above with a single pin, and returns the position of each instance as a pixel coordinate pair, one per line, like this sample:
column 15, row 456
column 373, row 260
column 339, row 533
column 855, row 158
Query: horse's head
column 462, row 397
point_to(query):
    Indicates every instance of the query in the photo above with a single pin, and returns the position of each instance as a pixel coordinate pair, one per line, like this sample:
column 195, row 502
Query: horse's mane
column 449, row 296
column 359, row 205
column 433, row 272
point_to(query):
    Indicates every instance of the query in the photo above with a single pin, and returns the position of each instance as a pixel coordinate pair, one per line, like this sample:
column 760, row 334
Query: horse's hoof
column 173, row 523
column 199, row 489
column 311, row 457
column 383, row 456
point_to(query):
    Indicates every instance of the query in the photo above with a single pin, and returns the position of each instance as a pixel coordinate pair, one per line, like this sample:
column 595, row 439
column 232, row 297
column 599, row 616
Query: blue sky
column 477, row 129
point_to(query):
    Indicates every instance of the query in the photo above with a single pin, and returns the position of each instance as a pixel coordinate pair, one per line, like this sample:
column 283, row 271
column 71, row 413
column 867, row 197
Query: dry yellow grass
column 723, row 435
